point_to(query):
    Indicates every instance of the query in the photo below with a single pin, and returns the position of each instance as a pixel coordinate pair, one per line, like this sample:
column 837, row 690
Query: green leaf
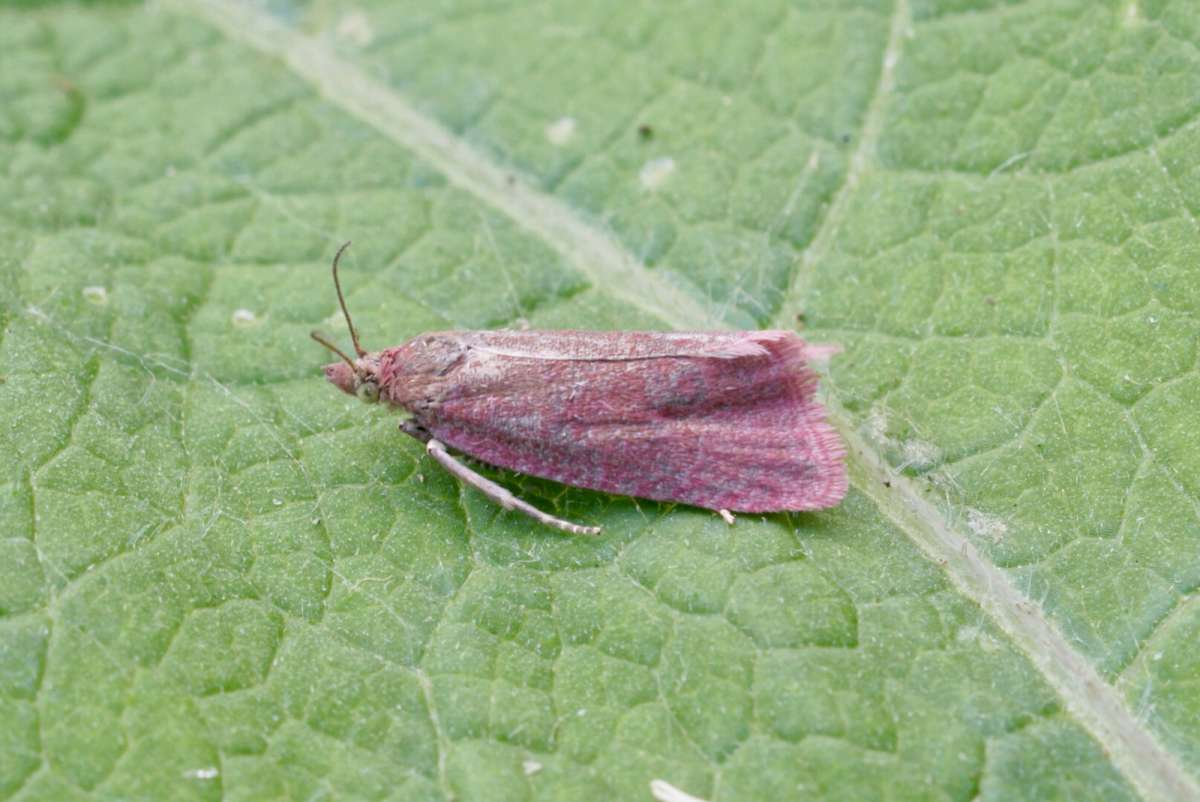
column 221, row 579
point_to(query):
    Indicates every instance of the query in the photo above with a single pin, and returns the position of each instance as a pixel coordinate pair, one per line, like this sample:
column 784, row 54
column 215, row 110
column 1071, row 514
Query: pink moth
column 721, row 420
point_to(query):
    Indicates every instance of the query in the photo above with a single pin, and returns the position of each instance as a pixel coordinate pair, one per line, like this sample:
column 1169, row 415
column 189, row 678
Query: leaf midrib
column 1153, row 770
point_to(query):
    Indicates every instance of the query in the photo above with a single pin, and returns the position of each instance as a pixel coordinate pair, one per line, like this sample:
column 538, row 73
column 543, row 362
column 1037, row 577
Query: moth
column 728, row 421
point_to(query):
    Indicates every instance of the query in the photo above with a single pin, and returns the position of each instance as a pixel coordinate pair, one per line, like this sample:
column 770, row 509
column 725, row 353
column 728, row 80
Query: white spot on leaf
column 656, row 171
column 243, row 318
column 206, row 773
column 531, row 767
column 95, row 295
column 560, row 131
column 663, row 791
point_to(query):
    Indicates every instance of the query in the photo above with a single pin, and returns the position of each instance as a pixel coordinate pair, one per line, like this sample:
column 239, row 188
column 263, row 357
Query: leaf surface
column 220, row 579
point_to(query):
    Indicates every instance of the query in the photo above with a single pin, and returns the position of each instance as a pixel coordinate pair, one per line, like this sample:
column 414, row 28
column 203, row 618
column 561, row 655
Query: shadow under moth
column 728, row 421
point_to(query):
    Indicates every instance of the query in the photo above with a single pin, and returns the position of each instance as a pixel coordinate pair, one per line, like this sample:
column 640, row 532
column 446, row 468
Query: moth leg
column 414, row 429
column 727, row 516
column 498, row 494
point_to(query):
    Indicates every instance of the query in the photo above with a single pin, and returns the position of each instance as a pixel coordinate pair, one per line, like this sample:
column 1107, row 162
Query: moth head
column 358, row 377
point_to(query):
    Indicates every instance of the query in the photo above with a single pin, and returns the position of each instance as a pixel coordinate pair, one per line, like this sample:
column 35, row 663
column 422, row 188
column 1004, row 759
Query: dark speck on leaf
column 645, row 132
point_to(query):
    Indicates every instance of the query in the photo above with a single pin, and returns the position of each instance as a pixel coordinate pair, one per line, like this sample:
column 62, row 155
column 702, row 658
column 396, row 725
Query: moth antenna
column 325, row 341
column 337, row 257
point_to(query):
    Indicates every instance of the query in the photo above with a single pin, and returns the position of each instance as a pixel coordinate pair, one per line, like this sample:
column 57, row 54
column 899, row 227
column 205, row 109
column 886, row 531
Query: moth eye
column 368, row 391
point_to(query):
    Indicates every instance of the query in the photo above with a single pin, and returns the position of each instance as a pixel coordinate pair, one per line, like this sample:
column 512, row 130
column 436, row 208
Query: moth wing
column 621, row 346
column 725, row 421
